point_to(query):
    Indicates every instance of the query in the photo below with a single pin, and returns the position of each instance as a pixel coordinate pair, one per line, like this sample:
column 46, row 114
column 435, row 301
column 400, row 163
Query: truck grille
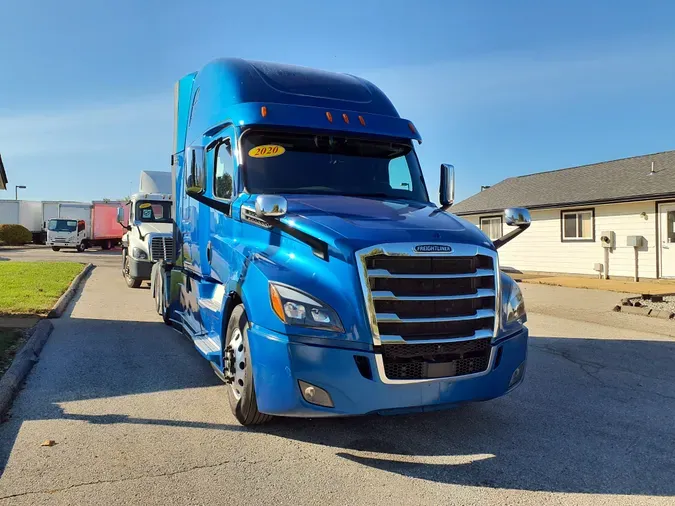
column 161, row 248
column 424, row 361
column 433, row 315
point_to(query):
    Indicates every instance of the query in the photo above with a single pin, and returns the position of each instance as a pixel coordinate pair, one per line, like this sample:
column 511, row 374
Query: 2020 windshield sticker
column 266, row 151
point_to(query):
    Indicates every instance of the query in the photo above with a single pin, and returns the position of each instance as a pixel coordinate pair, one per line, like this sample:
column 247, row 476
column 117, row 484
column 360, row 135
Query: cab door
column 195, row 185
column 223, row 188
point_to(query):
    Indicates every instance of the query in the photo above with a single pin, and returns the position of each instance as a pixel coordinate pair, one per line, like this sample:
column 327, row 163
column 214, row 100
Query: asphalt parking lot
column 139, row 418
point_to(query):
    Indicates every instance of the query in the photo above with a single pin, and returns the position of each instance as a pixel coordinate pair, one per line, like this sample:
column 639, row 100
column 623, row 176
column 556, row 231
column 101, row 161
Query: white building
column 632, row 199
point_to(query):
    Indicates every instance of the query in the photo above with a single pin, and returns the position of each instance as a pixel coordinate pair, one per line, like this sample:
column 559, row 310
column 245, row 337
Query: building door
column 667, row 238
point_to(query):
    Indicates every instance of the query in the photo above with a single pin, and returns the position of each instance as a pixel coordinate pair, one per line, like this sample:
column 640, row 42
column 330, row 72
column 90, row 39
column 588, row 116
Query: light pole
column 16, row 191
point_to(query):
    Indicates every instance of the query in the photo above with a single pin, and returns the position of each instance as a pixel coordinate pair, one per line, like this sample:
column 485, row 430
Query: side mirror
column 517, row 216
column 447, row 190
column 270, row 206
column 120, row 215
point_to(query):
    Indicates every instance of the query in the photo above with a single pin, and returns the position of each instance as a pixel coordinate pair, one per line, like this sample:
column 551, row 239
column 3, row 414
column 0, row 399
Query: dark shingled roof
column 624, row 180
column 3, row 176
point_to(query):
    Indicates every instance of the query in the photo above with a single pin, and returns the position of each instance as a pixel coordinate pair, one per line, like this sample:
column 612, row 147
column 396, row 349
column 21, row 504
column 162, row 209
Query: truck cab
column 312, row 270
column 149, row 236
column 66, row 233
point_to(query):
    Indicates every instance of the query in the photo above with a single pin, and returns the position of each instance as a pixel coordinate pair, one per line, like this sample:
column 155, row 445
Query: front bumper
column 280, row 364
column 140, row 269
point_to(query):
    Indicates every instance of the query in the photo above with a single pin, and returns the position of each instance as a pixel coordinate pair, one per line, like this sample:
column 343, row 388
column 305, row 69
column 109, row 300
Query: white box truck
column 52, row 209
column 149, row 236
column 83, row 226
column 22, row 212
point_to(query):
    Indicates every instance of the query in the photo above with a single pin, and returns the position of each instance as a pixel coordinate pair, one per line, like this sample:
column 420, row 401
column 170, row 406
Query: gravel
column 668, row 303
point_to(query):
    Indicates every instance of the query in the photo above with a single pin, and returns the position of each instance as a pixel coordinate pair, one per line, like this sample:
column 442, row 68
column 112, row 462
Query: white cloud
column 526, row 77
column 87, row 128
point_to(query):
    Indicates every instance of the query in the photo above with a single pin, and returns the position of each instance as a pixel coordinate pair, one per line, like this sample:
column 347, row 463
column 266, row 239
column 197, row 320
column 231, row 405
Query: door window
column 670, row 217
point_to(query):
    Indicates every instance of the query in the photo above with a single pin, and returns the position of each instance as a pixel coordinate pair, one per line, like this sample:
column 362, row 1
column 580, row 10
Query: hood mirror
column 447, row 188
column 517, row 216
column 120, row 215
column 270, row 206
column 514, row 217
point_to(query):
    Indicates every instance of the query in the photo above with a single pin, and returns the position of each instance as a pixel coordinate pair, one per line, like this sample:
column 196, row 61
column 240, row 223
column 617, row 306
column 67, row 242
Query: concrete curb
column 63, row 301
column 627, row 307
column 22, row 364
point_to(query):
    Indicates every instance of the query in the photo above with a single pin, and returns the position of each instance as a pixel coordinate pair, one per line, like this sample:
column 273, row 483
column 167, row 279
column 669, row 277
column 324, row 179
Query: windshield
column 153, row 211
column 324, row 164
column 62, row 225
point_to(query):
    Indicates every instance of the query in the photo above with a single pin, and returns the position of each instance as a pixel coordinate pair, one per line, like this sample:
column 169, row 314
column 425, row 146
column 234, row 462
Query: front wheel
column 81, row 247
column 239, row 371
column 126, row 272
column 160, row 301
column 56, row 248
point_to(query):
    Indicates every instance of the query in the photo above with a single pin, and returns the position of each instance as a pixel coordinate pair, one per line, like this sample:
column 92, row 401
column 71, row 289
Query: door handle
column 208, row 252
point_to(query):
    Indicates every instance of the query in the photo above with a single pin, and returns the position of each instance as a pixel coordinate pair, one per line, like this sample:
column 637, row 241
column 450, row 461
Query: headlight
column 513, row 305
column 297, row 308
column 139, row 254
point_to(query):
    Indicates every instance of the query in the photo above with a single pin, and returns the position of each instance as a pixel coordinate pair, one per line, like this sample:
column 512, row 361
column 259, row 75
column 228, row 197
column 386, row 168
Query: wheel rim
column 126, row 268
column 239, row 363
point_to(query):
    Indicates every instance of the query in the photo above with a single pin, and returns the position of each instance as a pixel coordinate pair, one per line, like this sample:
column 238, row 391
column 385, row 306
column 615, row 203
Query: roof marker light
column 412, row 127
column 345, row 117
column 329, row 116
column 263, row 111
column 362, row 121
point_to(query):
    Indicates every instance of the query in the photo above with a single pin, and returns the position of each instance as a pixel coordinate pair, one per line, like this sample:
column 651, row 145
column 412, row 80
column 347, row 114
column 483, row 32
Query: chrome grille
column 161, row 248
column 441, row 308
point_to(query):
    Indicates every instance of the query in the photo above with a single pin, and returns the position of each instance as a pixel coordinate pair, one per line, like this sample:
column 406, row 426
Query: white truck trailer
column 22, row 212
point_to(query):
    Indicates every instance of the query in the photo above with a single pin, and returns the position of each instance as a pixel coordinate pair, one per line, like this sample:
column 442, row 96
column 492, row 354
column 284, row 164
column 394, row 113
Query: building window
column 578, row 225
column 492, row 226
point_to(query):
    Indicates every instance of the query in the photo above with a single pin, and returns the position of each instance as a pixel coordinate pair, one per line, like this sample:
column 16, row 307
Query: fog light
column 517, row 374
column 315, row 395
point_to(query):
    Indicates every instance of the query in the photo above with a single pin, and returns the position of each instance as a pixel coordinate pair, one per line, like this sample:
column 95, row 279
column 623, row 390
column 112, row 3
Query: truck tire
column 241, row 392
column 81, row 247
column 106, row 245
column 131, row 282
column 56, row 248
column 160, row 301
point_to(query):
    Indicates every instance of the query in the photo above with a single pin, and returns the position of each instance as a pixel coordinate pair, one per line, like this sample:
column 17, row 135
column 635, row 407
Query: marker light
column 412, row 128
column 263, row 111
column 277, row 306
column 345, row 117
column 329, row 116
column 362, row 121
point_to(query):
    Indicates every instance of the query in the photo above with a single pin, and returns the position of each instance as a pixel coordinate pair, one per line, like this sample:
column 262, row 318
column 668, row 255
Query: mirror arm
column 498, row 243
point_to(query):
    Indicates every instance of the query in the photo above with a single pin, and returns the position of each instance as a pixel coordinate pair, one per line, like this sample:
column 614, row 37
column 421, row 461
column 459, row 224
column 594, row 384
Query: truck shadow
column 593, row 415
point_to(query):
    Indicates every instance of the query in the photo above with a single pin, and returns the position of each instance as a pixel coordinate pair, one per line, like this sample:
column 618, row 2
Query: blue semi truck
column 311, row 268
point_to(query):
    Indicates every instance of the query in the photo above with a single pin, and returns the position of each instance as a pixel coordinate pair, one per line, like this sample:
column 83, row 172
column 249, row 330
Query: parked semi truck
column 83, row 226
column 312, row 269
column 149, row 236
column 22, row 212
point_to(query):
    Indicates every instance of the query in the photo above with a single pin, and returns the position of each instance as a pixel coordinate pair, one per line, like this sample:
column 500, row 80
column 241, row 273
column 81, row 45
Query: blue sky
column 497, row 88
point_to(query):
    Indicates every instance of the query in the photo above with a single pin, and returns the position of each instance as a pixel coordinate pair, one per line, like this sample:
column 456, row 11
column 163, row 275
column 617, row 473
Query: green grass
column 32, row 288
